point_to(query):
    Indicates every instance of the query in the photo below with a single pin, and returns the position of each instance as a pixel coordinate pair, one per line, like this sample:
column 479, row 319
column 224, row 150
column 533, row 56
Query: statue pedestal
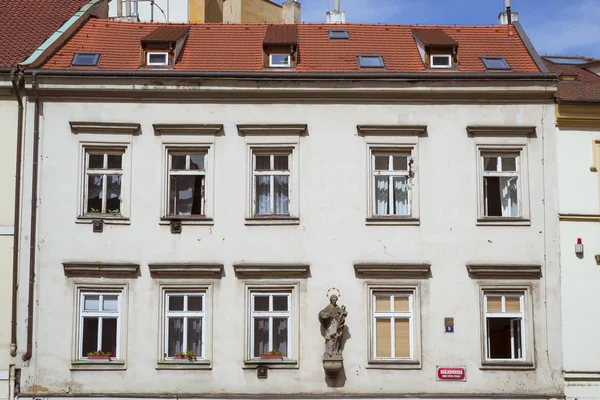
column 333, row 365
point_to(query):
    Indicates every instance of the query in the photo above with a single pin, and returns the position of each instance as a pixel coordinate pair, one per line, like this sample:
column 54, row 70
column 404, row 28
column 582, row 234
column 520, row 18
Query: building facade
column 195, row 215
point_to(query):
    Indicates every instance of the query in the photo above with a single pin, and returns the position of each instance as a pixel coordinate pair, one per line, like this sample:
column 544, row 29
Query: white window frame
column 152, row 53
column 501, row 174
column 513, row 316
column 519, row 150
column 185, row 314
column 413, row 293
column 289, row 60
column 391, row 174
column 272, row 173
column 104, row 172
column 186, row 172
column 270, row 315
column 446, row 56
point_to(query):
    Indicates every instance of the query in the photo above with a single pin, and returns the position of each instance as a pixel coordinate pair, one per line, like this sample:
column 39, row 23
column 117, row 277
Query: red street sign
column 451, row 373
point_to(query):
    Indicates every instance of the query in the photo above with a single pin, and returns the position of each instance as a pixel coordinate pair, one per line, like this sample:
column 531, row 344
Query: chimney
column 507, row 17
column 291, row 12
column 336, row 16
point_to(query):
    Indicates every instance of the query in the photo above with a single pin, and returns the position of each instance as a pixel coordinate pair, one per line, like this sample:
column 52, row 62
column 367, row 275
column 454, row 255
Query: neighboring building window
column 391, row 183
column 103, row 182
column 501, row 184
column 495, row 63
column 393, row 329
column 370, row 61
column 505, row 335
column 99, row 323
column 157, row 58
column 279, row 60
column 271, row 182
column 270, row 323
column 85, row 60
column 185, row 327
column 440, row 61
column 186, row 183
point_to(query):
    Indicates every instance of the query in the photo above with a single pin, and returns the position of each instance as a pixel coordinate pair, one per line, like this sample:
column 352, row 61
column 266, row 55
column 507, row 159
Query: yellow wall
column 261, row 11
column 234, row 11
column 197, row 10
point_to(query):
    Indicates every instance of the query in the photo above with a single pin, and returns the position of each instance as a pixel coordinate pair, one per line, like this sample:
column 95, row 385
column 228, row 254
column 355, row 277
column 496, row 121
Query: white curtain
column 381, row 195
column 401, row 195
column 282, row 199
column 509, row 196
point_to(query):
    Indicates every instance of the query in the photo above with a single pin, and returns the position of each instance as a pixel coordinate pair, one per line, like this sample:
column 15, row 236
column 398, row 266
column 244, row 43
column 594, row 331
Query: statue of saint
column 333, row 319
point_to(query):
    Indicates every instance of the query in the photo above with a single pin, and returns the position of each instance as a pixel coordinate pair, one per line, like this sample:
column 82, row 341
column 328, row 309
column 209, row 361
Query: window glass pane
column 280, row 335
column 509, row 164
column 401, row 195
column 282, row 199
column 490, row 163
column 491, row 194
column 402, row 337
column 261, row 336
column 280, row 60
column 401, row 303
column 440, row 61
column 280, row 303
column 186, row 194
column 499, row 336
column 96, row 161
column 509, row 196
column 381, row 195
column 494, row 303
column 111, row 303
column 91, row 302
column 517, row 338
column 263, row 163
column 159, row 58
column 113, row 195
column 175, row 303
column 400, row 163
column 94, row 194
column 197, row 161
column 383, row 337
column 178, row 162
column 261, row 303
column 194, row 303
column 382, row 303
column 90, row 336
column 263, row 195
column 382, row 163
column 281, row 163
column 175, row 338
column 194, row 335
column 512, row 304
column 370, row 61
column 109, row 336
column 115, row 161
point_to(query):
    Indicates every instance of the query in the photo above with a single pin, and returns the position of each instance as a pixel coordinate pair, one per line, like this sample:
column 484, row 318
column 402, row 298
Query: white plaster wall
column 174, row 10
column 332, row 236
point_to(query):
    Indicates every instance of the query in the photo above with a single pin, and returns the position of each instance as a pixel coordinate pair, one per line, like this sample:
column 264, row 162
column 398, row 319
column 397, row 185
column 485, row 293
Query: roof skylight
column 495, row 63
column 85, row 60
column 339, row 34
column 566, row 60
column 370, row 61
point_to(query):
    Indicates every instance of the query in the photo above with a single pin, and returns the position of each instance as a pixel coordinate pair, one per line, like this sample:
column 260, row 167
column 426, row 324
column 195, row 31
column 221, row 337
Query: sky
column 566, row 27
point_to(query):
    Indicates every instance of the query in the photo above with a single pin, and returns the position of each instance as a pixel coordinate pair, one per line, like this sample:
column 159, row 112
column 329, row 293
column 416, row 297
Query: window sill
column 108, row 220
column 81, row 365
column 184, row 365
column 273, row 220
column 394, row 364
column 393, row 221
column 187, row 221
column 499, row 221
column 271, row 364
column 507, row 365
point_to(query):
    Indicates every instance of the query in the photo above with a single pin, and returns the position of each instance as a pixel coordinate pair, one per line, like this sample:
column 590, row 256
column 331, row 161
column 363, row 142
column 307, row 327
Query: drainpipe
column 16, row 77
column 33, row 233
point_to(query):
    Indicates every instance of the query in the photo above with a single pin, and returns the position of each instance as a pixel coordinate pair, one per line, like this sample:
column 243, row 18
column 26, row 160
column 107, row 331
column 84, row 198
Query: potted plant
column 272, row 355
column 188, row 355
column 99, row 355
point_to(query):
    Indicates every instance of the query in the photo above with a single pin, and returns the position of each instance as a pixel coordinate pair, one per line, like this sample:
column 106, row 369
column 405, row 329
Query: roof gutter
column 529, row 46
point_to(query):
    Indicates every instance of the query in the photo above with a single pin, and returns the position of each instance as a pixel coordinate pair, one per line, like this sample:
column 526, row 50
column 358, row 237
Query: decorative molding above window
column 393, row 270
column 105, row 127
column 188, row 129
column 175, row 270
column 269, row 270
column 397, row 130
column 82, row 269
column 478, row 130
column 505, row 271
column 291, row 129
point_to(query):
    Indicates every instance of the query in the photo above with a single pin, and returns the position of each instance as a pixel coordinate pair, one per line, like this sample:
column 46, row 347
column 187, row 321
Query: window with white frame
column 501, row 183
column 185, row 325
column 504, row 326
column 271, row 182
column 157, row 58
column 279, row 60
column 270, row 324
column 391, row 183
column 392, row 324
column 186, row 183
column 440, row 61
column 103, row 181
column 99, row 324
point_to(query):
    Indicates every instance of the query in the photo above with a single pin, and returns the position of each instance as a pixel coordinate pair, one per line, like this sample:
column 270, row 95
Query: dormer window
column 279, row 60
column 280, row 46
column 162, row 46
column 495, row 63
column 438, row 50
column 440, row 61
column 157, row 58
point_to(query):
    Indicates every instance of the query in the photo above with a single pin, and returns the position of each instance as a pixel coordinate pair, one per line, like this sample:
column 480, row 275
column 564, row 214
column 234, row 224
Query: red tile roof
column 166, row 33
column 25, row 24
column 239, row 47
column 434, row 37
column 586, row 87
column 281, row 34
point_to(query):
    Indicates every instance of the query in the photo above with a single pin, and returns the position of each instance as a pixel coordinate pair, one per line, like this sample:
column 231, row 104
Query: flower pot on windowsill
column 271, row 357
column 96, row 357
column 190, row 357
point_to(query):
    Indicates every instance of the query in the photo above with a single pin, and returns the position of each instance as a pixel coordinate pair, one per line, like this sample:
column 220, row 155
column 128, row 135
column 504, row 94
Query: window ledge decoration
column 271, row 364
column 502, row 131
column 393, row 221
column 269, row 270
column 82, row 365
column 394, row 364
column 505, row 271
column 503, row 221
column 175, row 270
column 272, row 220
column 105, row 127
column 184, row 365
column 393, row 270
column 290, row 129
column 397, row 130
column 82, row 269
column 188, row 129
column 506, row 365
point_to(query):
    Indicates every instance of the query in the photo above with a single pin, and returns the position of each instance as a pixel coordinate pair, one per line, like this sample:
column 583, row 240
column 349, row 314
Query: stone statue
column 333, row 320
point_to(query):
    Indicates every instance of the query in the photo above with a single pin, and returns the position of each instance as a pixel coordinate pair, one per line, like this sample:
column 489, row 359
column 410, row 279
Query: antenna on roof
column 507, row 17
column 507, row 5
